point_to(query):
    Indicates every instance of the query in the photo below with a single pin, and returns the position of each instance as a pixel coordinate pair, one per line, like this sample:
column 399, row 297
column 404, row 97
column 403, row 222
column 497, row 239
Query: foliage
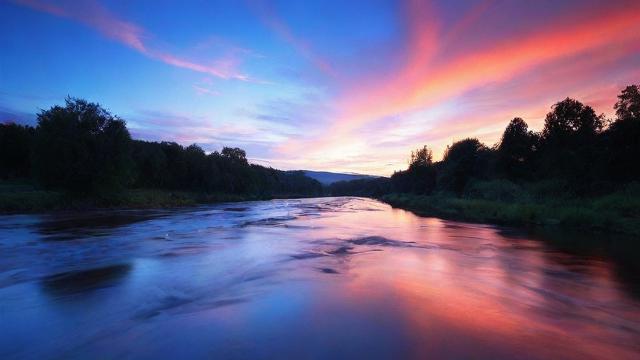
column 421, row 157
column 81, row 148
column 373, row 187
column 628, row 104
column 15, row 151
column 420, row 177
column 575, row 155
column 516, row 149
column 623, row 137
column 463, row 161
column 600, row 214
column 570, row 144
column 578, row 156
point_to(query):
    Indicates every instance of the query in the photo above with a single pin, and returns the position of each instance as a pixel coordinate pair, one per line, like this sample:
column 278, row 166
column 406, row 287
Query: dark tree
column 571, row 146
column 516, row 150
column 463, row 160
column 628, row 105
column 236, row 155
column 150, row 165
column 420, row 177
column 421, row 157
column 623, row 137
column 568, row 118
column 82, row 148
column 15, row 151
column 361, row 187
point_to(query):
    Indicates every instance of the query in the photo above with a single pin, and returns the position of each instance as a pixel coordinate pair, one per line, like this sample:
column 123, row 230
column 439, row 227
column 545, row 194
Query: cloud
column 206, row 130
column 94, row 15
column 273, row 21
column 12, row 116
column 201, row 90
column 431, row 76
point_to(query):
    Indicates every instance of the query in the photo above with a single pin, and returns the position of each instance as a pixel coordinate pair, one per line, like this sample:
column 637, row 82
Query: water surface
column 312, row 278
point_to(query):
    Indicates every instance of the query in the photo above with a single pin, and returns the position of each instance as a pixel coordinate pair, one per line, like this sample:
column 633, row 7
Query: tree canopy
column 82, row 148
column 576, row 147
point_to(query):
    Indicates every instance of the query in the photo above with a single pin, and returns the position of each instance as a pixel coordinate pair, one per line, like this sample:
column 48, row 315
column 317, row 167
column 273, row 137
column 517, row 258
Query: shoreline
column 580, row 215
column 40, row 201
column 577, row 215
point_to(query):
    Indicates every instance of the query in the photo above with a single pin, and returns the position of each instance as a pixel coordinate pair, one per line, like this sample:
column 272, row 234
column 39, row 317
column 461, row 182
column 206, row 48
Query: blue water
column 313, row 278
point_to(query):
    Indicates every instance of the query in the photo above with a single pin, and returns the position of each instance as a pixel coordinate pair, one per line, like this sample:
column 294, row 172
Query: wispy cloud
column 209, row 131
column 431, row 76
column 96, row 16
column 201, row 90
column 273, row 21
column 12, row 116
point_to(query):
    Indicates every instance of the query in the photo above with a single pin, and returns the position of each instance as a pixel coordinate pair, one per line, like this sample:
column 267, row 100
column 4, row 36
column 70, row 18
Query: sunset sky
column 348, row 86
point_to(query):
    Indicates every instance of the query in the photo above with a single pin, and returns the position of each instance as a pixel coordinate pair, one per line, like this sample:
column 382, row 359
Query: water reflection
column 319, row 278
column 71, row 226
column 76, row 282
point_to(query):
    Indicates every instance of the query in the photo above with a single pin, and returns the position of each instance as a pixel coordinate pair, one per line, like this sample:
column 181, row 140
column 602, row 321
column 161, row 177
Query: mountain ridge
column 329, row 177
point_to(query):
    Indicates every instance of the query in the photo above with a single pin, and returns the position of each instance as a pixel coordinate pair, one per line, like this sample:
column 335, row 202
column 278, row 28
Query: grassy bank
column 618, row 212
column 22, row 197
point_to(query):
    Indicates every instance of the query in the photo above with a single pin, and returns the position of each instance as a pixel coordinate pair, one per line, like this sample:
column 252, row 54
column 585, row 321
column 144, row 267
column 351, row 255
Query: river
column 309, row 278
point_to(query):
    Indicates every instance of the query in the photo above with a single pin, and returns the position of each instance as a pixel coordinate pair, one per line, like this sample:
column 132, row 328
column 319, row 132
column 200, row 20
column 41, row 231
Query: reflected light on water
column 319, row 278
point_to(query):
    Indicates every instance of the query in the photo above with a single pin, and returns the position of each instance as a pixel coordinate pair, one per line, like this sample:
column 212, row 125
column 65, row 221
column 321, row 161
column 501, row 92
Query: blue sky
column 327, row 85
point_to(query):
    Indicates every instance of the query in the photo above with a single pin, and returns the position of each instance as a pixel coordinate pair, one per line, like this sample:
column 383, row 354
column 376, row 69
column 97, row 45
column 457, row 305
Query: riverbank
column 619, row 212
column 26, row 198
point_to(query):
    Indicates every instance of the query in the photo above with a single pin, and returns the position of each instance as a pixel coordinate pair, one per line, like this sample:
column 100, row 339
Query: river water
column 311, row 278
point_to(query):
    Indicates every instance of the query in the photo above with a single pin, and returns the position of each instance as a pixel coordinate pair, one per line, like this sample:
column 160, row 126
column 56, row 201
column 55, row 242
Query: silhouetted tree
column 15, row 151
column 570, row 143
column 628, row 104
column 361, row 187
column 421, row 157
column 151, row 168
column 82, row 148
column 421, row 174
column 569, row 118
column 516, row 149
column 463, row 160
column 623, row 137
column 236, row 155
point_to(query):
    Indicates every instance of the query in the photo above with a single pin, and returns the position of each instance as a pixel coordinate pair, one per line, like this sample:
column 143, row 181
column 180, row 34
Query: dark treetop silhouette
column 581, row 169
column 578, row 158
column 83, row 150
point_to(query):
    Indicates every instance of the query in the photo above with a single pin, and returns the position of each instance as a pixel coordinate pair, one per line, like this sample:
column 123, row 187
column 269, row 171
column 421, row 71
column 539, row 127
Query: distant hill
column 328, row 178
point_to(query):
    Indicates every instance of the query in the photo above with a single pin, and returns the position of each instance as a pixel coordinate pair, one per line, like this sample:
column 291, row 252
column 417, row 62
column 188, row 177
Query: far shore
column 607, row 214
column 23, row 199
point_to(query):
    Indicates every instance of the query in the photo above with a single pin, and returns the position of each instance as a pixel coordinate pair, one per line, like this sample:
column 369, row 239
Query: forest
column 82, row 151
column 580, row 169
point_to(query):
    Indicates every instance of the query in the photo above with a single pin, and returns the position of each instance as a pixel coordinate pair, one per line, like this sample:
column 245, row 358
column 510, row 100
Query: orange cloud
column 96, row 16
column 422, row 83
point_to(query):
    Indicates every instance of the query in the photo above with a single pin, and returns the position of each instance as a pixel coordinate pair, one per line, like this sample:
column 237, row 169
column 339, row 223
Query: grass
column 618, row 212
column 24, row 197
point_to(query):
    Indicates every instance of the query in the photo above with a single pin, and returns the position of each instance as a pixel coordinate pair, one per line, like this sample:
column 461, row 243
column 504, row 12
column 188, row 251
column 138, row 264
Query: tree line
column 83, row 149
column 577, row 153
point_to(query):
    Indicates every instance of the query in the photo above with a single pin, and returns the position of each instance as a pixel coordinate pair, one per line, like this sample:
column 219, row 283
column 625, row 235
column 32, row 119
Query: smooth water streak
column 311, row 278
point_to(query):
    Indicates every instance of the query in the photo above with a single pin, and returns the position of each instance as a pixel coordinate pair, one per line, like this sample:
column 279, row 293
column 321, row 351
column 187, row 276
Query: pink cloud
column 94, row 15
column 422, row 82
column 201, row 90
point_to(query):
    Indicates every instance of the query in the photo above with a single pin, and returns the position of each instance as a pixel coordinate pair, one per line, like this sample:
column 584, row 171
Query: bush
column 82, row 148
column 499, row 189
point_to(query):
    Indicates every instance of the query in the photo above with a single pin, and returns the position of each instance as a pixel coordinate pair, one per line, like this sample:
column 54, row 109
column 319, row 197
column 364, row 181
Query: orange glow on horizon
column 421, row 83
